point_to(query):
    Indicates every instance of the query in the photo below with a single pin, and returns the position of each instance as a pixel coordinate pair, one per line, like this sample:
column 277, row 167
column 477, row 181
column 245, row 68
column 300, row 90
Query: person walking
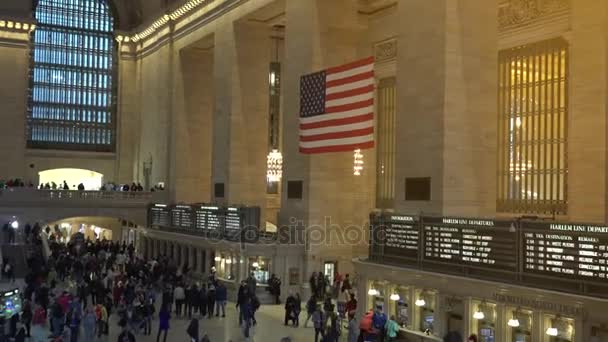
column 274, row 285
column 333, row 328
column 26, row 317
column 38, row 333
column 221, row 296
column 126, row 335
column 164, row 316
column 297, row 308
column 353, row 328
column 101, row 314
column 318, row 319
column 202, row 302
column 289, row 308
column 193, row 330
column 311, row 306
column 89, row 321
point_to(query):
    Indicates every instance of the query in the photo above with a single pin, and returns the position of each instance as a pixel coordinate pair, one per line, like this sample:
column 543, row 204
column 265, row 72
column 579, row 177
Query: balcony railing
column 32, row 194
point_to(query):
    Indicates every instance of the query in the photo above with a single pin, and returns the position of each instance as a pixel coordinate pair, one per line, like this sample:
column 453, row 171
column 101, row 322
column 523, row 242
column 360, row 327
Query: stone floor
column 270, row 328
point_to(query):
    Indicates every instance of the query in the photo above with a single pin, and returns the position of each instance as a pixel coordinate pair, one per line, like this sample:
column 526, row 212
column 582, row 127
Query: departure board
column 573, row 250
column 401, row 235
column 200, row 218
column 159, row 215
column 479, row 242
column 181, row 216
column 233, row 218
column 213, row 217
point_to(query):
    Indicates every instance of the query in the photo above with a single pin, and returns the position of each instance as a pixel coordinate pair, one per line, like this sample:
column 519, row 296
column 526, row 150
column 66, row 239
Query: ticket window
column 519, row 325
column 454, row 313
column 398, row 305
column 425, row 304
column 558, row 329
column 375, row 297
column 484, row 318
column 329, row 270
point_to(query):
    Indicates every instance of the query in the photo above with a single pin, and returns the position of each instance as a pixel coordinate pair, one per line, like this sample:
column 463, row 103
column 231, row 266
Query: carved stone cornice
column 517, row 13
column 385, row 51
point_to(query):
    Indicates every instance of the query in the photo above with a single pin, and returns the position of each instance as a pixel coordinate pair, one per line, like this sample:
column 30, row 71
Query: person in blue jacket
column 221, row 296
column 378, row 323
column 164, row 316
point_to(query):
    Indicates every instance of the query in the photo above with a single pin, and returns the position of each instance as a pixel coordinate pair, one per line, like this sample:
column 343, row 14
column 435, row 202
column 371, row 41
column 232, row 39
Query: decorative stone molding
column 385, row 51
column 516, row 13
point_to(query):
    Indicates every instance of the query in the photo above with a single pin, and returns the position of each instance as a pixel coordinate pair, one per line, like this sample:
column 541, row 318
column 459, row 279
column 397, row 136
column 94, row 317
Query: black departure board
column 181, row 216
column 401, row 236
column 213, row 217
column 159, row 215
column 571, row 250
column 233, row 218
column 479, row 242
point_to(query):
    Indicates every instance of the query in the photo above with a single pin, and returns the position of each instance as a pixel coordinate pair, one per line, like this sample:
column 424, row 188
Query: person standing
column 392, row 329
column 210, row 300
column 26, row 317
column 202, row 301
column 297, row 308
column 101, row 314
column 252, row 283
column 241, row 300
column 193, row 330
column 164, row 316
column 333, row 328
column 180, row 296
column 274, row 284
column 221, row 296
column 353, row 328
column 378, row 323
column 289, row 308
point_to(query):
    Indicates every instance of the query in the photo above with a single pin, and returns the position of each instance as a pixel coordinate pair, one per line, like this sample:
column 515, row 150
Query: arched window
column 72, row 83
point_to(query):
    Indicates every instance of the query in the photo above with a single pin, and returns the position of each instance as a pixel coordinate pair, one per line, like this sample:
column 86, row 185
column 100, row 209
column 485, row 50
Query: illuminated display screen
column 181, row 216
column 401, row 236
column 470, row 241
column 159, row 215
column 10, row 303
column 578, row 251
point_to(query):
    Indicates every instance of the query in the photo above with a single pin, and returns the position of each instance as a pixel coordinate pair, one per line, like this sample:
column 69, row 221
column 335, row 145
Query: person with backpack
column 366, row 327
column 38, row 331
column 378, row 323
column 318, row 320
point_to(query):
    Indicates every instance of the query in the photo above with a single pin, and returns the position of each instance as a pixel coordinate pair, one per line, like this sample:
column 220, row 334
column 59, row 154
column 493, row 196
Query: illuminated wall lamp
column 394, row 297
column 420, row 302
column 372, row 292
column 513, row 322
column 479, row 315
column 217, row 258
column 552, row 331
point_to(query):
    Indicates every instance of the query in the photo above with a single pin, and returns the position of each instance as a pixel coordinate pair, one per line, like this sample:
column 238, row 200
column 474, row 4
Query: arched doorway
column 90, row 179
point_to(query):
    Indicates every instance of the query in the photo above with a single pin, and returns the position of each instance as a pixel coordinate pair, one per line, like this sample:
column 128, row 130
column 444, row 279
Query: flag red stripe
column 338, row 122
column 349, row 106
column 351, row 79
column 339, row 135
column 352, row 65
column 337, row 148
column 349, row 93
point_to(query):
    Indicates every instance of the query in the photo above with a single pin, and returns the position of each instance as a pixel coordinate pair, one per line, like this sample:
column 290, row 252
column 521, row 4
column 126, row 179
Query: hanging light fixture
column 479, row 313
column 274, row 166
column 394, row 297
column 217, row 258
column 372, row 292
column 357, row 162
column 420, row 302
column 552, row 331
column 513, row 322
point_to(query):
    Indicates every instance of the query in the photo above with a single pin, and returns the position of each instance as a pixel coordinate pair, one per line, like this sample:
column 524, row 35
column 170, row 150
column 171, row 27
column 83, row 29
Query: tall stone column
column 447, row 100
column 587, row 122
column 240, row 143
column 321, row 34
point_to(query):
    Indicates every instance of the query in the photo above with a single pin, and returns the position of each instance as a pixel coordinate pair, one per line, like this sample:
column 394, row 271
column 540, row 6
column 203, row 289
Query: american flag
column 337, row 108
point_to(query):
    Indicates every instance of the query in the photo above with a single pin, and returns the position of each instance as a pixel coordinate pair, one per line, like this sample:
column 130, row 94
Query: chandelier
column 357, row 162
column 274, row 166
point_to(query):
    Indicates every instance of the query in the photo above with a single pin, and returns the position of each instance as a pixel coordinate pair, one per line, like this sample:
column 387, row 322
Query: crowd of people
column 84, row 283
column 110, row 186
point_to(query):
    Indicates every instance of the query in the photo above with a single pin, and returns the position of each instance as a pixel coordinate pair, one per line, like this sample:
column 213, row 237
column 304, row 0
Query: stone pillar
column 587, row 120
column 322, row 34
column 447, row 85
column 192, row 129
column 241, row 71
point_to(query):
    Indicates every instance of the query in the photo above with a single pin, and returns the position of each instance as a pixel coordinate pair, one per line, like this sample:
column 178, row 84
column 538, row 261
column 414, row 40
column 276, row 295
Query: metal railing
column 28, row 194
